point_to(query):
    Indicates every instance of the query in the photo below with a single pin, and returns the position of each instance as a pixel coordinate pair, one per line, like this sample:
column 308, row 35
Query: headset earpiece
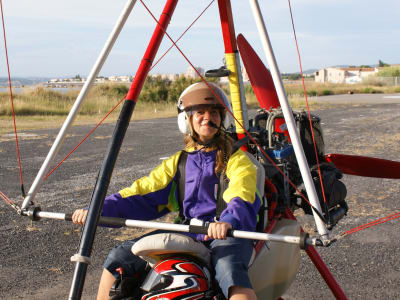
column 183, row 122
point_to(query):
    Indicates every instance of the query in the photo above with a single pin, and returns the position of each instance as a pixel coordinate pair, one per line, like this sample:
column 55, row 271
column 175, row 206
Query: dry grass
column 38, row 108
column 325, row 89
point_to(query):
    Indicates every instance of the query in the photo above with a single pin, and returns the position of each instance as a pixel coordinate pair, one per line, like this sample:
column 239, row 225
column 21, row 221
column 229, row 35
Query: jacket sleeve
column 242, row 198
column 149, row 197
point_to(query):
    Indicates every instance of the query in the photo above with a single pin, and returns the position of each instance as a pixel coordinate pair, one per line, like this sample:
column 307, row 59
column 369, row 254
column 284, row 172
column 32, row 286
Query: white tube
column 184, row 228
column 74, row 110
column 288, row 115
column 157, row 225
column 266, row 237
column 50, row 215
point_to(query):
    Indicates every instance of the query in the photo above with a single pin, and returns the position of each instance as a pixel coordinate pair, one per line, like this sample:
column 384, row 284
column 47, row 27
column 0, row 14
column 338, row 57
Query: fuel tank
column 276, row 265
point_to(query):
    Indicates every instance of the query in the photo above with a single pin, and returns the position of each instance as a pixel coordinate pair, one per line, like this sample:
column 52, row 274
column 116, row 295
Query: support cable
column 10, row 202
column 85, row 138
column 370, row 224
column 12, row 103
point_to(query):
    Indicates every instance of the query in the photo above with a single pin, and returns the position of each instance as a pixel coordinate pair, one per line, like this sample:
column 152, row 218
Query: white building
column 343, row 75
column 120, row 78
column 191, row 73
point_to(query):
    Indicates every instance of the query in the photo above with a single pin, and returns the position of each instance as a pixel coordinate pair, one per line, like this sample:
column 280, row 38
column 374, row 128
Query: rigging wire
column 308, row 108
column 120, row 101
column 370, row 224
column 85, row 138
column 9, row 202
column 240, row 124
column 12, row 102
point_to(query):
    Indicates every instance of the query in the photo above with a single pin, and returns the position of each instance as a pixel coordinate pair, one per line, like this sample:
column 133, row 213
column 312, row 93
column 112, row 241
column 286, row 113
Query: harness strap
column 221, row 204
column 180, row 176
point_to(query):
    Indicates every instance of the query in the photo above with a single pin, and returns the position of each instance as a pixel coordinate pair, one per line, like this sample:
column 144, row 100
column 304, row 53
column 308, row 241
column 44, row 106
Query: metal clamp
column 32, row 213
column 82, row 259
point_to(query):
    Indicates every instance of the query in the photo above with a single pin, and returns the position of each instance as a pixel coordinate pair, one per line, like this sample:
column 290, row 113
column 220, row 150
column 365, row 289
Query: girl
column 209, row 155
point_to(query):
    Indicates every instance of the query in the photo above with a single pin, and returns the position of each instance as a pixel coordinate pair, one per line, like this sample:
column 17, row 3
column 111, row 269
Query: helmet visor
column 155, row 281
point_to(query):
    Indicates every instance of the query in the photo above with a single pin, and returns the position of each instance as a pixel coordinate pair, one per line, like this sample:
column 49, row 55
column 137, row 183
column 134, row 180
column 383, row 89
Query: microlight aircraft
column 275, row 137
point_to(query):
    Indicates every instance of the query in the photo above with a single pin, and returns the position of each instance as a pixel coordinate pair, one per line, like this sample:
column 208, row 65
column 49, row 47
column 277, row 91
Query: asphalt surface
column 35, row 256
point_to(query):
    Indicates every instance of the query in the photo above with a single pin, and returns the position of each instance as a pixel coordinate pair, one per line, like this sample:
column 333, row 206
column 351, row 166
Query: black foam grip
column 198, row 229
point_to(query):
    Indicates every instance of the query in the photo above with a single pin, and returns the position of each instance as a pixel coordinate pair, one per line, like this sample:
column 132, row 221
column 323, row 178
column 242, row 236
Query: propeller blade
column 365, row 166
column 260, row 77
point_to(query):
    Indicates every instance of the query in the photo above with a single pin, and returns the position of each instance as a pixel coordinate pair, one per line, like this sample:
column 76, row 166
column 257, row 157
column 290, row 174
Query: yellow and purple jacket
column 153, row 196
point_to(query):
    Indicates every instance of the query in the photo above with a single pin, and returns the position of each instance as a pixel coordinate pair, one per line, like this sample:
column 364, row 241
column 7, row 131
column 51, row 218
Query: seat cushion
column 155, row 247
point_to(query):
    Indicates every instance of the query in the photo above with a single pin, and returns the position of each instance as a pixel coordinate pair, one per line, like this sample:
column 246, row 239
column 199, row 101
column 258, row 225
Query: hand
column 217, row 230
column 79, row 216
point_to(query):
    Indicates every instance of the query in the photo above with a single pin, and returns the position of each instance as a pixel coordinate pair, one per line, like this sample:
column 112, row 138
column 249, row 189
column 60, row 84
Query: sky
column 47, row 38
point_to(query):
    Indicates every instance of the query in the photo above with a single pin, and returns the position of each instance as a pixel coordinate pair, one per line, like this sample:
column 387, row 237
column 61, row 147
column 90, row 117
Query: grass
column 319, row 89
column 37, row 107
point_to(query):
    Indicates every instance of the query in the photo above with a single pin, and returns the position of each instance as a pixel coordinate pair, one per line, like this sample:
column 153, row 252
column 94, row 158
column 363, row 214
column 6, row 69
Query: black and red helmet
column 177, row 278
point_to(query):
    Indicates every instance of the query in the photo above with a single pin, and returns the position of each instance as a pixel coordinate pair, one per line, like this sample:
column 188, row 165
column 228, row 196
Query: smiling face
column 200, row 121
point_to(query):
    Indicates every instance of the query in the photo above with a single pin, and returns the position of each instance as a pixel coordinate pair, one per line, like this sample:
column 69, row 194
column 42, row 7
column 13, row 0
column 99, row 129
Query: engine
column 269, row 130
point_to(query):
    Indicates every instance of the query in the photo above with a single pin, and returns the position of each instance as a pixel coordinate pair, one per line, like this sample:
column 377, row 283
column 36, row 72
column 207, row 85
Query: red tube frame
column 151, row 51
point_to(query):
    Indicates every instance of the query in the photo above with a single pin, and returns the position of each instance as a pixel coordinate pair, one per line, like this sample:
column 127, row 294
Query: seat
column 156, row 247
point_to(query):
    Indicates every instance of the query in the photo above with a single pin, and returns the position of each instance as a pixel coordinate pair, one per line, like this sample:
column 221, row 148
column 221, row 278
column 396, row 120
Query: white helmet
column 200, row 94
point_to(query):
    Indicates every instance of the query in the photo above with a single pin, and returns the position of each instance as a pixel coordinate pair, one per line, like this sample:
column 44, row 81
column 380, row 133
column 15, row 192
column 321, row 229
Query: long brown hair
column 223, row 145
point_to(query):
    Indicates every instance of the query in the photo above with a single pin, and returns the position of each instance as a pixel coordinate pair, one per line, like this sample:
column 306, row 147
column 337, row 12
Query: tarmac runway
column 35, row 256
column 352, row 99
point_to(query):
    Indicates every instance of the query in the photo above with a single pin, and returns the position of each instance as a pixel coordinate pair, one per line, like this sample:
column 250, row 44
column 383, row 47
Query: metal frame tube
column 103, row 180
column 288, row 115
column 175, row 227
column 74, row 110
column 96, row 203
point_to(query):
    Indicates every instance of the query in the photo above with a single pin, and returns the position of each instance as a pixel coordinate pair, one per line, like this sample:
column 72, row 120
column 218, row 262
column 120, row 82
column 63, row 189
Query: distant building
column 101, row 79
column 120, row 78
column 172, row 77
column 191, row 73
column 343, row 75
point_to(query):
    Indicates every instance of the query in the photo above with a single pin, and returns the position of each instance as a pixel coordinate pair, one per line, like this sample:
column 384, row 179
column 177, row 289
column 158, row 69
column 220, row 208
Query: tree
column 389, row 72
column 381, row 64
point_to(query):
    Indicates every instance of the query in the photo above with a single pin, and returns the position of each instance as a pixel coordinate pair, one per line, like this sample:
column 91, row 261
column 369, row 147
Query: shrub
column 110, row 90
column 312, row 93
column 369, row 90
column 389, row 72
column 327, row 93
